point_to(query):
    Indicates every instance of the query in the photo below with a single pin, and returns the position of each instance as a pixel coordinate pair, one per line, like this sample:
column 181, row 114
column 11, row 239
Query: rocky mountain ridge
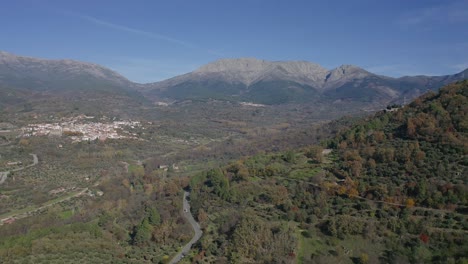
column 48, row 86
column 248, row 71
column 277, row 82
column 243, row 80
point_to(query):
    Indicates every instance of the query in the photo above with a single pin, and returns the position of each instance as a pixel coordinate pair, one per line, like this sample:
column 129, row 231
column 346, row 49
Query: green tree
column 142, row 233
column 289, row 156
column 154, row 218
column 315, row 153
column 220, row 183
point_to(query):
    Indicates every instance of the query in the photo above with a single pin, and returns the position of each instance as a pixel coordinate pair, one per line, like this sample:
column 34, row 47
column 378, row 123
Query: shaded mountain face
column 64, row 82
column 36, row 74
column 278, row 82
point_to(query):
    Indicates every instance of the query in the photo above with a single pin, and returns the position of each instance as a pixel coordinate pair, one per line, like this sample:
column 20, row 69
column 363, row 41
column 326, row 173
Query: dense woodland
column 135, row 219
column 393, row 190
column 416, row 155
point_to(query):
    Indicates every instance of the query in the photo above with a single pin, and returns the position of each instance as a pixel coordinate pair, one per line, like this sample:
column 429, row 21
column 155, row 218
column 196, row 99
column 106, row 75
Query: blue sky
column 153, row 40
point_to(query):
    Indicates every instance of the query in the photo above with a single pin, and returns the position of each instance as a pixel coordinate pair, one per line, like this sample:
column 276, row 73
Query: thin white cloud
column 451, row 13
column 134, row 30
column 140, row 32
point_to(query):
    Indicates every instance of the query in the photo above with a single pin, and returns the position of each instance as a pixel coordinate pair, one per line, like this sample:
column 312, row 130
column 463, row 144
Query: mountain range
column 241, row 80
column 26, row 82
column 276, row 82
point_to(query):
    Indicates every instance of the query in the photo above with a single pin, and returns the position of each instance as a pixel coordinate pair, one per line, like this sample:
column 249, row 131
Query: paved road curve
column 196, row 227
column 4, row 174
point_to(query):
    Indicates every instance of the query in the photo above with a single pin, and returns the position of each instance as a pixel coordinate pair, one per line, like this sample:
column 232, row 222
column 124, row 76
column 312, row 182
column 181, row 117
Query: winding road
column 196, row 227
column 4, row 174
column 48, row 204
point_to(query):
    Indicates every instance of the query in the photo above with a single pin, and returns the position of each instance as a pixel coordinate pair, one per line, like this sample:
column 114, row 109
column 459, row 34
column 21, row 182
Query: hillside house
column 13, row 163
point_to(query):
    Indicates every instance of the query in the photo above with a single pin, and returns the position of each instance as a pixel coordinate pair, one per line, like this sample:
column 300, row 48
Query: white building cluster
column 78, row 130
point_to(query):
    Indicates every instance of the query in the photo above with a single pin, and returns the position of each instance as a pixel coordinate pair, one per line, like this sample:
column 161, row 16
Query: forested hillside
column 83, row 203
column 391, row 190
column 415, row 154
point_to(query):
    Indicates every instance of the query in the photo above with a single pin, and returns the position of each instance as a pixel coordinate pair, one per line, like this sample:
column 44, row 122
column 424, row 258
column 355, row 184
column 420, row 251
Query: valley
column 285, row 162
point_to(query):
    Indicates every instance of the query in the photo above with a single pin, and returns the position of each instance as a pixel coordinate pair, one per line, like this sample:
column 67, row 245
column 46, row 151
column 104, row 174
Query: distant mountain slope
column 26, row 80
column 277, row 82
column 33, row 73
column 65, row 82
